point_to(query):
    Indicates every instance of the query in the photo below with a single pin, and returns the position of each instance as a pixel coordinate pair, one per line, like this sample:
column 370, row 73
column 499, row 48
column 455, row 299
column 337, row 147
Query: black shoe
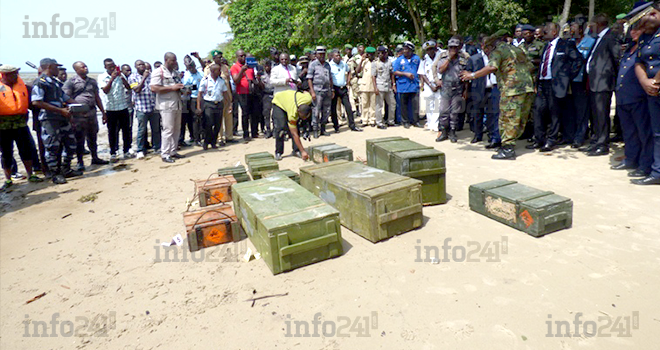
column 268, row 134
column 476, row 139
column 323, row 132
column 443, row 136
column 337, row 130
column 99, row 161
column 534, row 145
column 600, row 151
column 278, row 156
column 452, row 136
column 179, row 156
column 198, row 144
column 296, row 154
column 232, row 141
column 356, row 128
column 418, row 125
column 547, row 148
column 205, row 146
column 183, row 144
column 622, row 166
column 86, row 151
column 222, row 144
column 69, row 173
column 213, row 145
column 406, row 125
column 381, row 126
column 587, row 149
column 650, row 180
column 59, row 179
column 246, row 139
column 617, row 138
column 638, row 173
column 168, row 159
column 576, row 145
column 506, row 153
column 493, row 145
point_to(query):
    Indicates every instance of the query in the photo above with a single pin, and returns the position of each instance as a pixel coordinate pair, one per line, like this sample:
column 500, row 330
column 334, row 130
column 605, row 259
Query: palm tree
column 454, row 22
column 565, row 12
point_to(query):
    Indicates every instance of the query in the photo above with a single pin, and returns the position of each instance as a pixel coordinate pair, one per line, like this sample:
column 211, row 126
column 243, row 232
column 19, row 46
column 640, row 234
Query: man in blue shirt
column 191, row 80
column 212, row 91
column 407, row 82
column 339, row 72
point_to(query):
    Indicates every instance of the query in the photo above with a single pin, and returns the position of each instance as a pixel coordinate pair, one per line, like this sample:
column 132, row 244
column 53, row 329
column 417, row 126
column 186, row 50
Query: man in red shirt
column 242, row 75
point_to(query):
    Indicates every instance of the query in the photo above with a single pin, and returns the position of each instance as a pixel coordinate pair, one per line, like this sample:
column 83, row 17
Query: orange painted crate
column 210, row 226
column 214, row 190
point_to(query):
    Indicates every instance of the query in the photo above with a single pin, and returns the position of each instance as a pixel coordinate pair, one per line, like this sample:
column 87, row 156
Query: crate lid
column 491, row 184
column 545, row 201
column 358, row 177
column 422, row 153
column 401, row 146
column 385, row 139
column 517, row 192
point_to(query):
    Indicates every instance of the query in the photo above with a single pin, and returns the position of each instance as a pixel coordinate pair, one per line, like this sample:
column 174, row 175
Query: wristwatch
column 472, row 75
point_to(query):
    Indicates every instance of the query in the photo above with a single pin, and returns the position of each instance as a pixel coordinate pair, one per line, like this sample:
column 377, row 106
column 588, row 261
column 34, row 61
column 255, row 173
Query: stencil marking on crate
column 328, row 197
column 501, row 209
column 272, row 191
column 366, row 173
column 527, row 218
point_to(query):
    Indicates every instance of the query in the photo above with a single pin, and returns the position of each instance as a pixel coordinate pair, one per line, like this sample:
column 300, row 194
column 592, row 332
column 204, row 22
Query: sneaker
column 18, row 176
column 296, row 154
column 114, row 158
column 6, row 185
column 168, row 159
column 72, row 173
column 177, row 156
column 140, row 155
column 278, row 156
column 129, row 155
column 80, row 167
column 59, row 179
column 34, row 179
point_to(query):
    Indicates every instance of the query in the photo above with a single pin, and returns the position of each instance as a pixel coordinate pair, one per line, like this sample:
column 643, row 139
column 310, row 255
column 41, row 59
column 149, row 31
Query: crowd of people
column 549, row 85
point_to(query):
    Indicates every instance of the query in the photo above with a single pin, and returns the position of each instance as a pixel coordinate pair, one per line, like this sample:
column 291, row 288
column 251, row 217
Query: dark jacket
column 566, row 64
column 604, row 64
column 477, row 89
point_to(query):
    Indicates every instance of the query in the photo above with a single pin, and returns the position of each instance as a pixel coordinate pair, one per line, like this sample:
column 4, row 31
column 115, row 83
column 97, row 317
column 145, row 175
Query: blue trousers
column 654, row 112
column 493, row 116
column 636, row 125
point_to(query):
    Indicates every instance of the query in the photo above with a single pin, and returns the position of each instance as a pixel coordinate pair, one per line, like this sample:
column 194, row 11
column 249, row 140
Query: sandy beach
column 110, row 285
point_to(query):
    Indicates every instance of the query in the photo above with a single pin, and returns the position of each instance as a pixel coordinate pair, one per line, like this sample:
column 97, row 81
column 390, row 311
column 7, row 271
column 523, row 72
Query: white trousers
column 171, row 123
column 432, row 102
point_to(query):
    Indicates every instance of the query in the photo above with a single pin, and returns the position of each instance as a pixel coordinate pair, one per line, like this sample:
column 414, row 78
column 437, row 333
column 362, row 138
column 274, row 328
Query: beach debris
column 36, row 298
column 253, row 300
column 248, row 255
column 90, row 197
column 66, row 216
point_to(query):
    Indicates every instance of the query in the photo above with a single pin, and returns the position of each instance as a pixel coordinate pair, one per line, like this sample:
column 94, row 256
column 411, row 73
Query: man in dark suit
column 483, row 99
column 560, row 63
column 602, row 66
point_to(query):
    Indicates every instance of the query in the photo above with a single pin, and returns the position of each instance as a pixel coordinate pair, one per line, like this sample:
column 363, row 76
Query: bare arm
column 296, row 139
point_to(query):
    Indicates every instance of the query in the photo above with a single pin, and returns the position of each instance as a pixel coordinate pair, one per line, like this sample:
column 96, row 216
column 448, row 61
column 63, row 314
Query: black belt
column 213, row 102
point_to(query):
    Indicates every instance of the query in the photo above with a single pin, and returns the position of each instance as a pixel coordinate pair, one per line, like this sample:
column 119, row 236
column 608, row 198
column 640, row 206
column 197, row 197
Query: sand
column 107, row 285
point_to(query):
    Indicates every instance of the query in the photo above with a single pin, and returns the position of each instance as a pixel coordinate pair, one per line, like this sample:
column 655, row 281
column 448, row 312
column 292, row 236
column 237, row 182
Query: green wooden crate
column 525, row 208
column 409, row 158
column 259, row 166
column 371, row 143
column 328, row 152
column 373, row 203
column 284, row 172
column 255, row 156
column 289, row 226
column 239, row 173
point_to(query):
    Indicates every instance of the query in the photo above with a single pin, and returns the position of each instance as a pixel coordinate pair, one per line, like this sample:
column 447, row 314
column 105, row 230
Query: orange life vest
column 13, row 100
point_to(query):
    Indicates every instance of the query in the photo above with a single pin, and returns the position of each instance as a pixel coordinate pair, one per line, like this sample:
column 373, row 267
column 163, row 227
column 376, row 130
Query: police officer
column 56, row 130
column 511, row 66
column 632, row 108
column 319, row 77
column 647, row 69
column 449, row 66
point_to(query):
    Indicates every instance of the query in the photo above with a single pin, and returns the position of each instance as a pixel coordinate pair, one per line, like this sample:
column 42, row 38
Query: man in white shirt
column 212, row 92
column 166, row 83
column 284, row 76
column 431, row 92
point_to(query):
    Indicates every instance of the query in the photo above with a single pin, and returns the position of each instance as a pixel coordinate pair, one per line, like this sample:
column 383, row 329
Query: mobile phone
column 251, row 62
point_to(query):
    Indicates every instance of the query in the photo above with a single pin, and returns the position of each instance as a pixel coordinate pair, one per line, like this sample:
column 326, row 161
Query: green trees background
column 291, row 25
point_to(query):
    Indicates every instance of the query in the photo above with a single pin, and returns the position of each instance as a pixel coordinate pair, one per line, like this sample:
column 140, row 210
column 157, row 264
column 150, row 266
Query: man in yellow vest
column 14, row 99
column 289, row 106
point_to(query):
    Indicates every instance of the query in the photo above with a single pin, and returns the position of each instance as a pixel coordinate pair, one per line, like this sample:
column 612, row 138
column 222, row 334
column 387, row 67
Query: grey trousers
column 451, row 105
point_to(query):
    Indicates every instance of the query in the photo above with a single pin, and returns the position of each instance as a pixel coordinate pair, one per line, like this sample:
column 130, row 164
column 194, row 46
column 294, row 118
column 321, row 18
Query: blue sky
column 143, row 30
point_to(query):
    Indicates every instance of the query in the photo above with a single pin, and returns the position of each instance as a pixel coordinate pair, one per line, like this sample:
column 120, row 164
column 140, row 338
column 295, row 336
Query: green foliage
column 291, row 25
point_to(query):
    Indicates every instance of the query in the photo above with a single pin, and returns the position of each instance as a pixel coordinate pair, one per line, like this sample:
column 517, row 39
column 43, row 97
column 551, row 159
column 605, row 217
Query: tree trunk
column 417, row 20
column 565, row 13
column 454, row 22
column 592, row 6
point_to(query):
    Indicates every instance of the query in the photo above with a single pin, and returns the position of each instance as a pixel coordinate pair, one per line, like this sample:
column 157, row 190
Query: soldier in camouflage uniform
column 532, row 48
column 512, row 68
column 353, row 77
